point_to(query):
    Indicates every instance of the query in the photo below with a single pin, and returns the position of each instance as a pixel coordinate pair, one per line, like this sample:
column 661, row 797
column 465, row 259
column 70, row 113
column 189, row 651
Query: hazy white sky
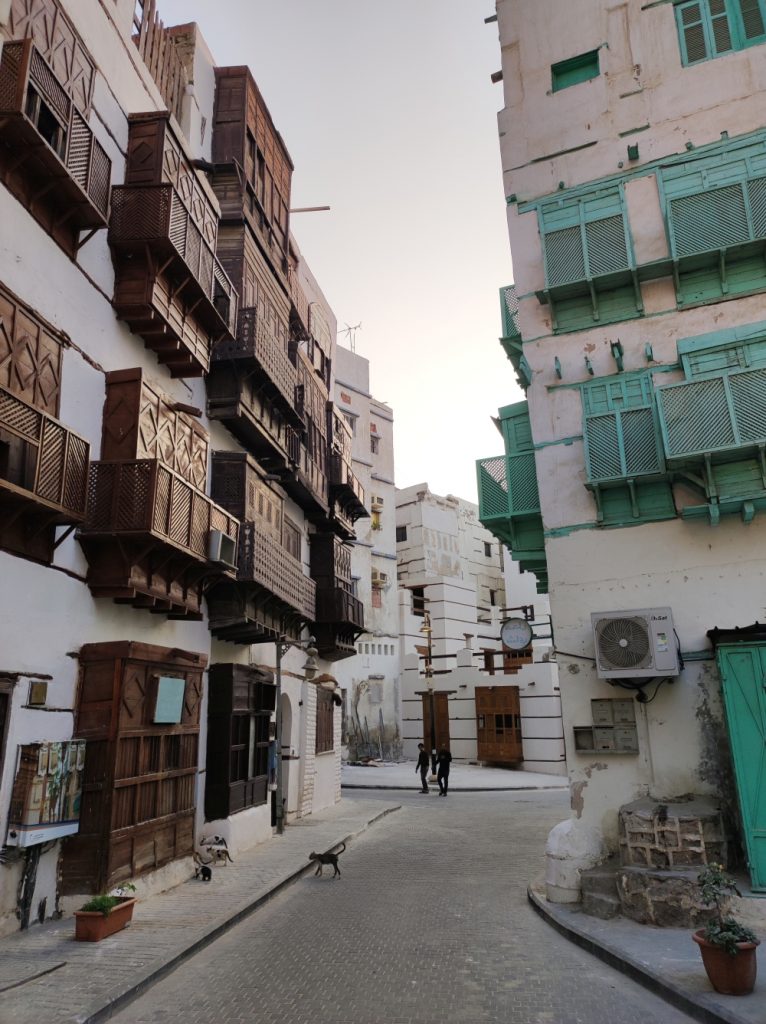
column 389, row 115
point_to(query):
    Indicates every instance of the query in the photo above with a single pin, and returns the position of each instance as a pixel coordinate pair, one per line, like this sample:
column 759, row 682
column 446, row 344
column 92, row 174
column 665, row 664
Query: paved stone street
column 430, row 922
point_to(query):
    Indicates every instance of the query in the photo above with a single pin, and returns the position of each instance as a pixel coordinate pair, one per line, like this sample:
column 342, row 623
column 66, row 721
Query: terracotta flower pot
column 729, row 974
column 92, row 925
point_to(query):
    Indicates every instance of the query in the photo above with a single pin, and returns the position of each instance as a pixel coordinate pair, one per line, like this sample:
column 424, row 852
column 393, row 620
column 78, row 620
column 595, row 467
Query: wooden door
column 743, row 675
column 441, row 720
column 498, row 724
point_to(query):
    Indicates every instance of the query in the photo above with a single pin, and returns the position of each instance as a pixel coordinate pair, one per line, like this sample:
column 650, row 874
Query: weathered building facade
column 632, row 142
column 491, row 703
column 176, row 491
column 371, row 678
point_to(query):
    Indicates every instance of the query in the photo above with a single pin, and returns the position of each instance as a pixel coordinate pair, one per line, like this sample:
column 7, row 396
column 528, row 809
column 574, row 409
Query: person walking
column 422, row 767
column 442, row 774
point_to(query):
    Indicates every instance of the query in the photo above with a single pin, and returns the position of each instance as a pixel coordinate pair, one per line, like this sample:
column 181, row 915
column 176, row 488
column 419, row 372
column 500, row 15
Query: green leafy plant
column 716, row 887
column 105, row 903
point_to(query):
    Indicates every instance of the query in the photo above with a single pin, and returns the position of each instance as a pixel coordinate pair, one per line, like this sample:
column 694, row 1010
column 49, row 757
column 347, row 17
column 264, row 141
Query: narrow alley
column 429, row 922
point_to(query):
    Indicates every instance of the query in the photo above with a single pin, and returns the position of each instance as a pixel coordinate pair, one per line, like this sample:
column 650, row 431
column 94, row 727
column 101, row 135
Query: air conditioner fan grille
column 623, row 643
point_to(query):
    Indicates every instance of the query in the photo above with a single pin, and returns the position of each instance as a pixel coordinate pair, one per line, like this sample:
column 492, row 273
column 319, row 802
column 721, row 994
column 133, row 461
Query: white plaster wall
column 371, row 678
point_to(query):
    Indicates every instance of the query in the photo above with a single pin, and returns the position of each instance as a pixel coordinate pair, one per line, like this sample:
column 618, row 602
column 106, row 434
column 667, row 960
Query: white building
column 175, row 494
column 491, row 703
column 633, row 148
column 371, row 678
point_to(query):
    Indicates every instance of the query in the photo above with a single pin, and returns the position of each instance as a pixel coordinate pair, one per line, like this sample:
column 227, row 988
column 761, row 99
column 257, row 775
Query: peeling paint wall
column 552, row 141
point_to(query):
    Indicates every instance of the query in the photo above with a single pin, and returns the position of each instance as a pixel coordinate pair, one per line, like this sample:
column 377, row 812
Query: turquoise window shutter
column 584, row 238
column 710, row 28
column 710, row 220
column 752, row 18
column 720, row 414
column 565, row 256
column 509, row 312
column 620, row 433
column 719, row 26
column 692, row 32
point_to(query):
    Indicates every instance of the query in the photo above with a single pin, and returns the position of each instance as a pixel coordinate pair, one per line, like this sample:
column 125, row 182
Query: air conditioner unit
column 379, row 579
column 376, row 503
column 222, row 549
column 637, row 644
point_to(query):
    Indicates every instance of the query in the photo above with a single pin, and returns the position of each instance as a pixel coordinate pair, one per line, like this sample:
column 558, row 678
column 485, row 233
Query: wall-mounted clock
column 516, row 634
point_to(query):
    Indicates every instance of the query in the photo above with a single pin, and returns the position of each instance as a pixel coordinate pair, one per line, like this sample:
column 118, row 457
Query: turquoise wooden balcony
column 714, row 435
column 509, row 502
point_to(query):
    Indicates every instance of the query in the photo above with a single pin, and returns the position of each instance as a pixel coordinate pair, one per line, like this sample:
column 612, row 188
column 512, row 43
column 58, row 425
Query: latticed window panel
column 509, row 307
column 607, row 249
column 622, row 444
column 602, row 453
column 639, row 442
column 756, row 190
column 696, row 417
column 564, row 256
column 748, row 396
column 494, row 500
column 522, row 483
column 710, row 220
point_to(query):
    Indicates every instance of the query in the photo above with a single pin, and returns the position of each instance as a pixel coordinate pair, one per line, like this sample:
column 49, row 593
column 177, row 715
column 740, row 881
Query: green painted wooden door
column 743, row 673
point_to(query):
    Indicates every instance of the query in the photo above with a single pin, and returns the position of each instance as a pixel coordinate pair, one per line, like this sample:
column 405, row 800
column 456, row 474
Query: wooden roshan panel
column 139, row 785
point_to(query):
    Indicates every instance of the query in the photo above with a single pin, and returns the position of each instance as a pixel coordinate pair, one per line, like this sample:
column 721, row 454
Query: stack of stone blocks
column 663, row 847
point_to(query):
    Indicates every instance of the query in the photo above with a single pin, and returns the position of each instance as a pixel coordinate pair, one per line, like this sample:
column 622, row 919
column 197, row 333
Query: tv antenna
column 351, row 332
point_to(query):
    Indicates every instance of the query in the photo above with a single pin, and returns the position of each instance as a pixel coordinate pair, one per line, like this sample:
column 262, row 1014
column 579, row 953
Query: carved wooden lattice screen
column 141, row 422
column 139, row 785
column 56, row 38
column 30, row 355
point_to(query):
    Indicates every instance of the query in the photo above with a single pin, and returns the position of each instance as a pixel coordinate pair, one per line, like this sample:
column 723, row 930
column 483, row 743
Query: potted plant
column 727, row 947
column 104, row 914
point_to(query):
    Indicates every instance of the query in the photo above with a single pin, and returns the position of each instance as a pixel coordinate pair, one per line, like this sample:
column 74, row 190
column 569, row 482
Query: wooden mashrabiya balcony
column 272, row 596
column 345, row 487
column 339, row 621
column 49, row 157
column 257, row 343
column 152, row 539
column 43, row 466
column 169, row 287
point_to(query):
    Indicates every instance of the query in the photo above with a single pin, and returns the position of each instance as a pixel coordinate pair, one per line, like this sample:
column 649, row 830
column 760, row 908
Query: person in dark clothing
column 422, row 767
column 442, row 774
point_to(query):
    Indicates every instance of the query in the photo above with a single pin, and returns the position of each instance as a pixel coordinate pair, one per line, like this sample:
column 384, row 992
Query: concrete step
column 601, row 880
column 604, row 907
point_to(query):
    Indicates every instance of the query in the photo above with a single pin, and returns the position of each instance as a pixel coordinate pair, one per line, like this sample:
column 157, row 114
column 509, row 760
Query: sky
column 390, row 117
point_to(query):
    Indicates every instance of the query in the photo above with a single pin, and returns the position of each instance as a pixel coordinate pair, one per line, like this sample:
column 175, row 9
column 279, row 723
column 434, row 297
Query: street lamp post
column 309, row 671
column 426, row 628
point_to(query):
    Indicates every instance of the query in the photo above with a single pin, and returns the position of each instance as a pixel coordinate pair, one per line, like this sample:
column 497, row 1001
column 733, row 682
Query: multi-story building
column 371, row 678
column 176, row 491
column 633, row 149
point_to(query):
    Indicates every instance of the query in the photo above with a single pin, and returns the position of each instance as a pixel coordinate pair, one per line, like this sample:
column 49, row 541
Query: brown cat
column 327, row 858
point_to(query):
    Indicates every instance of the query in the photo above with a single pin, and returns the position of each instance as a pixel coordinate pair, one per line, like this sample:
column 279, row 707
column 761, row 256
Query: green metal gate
column 743, row 674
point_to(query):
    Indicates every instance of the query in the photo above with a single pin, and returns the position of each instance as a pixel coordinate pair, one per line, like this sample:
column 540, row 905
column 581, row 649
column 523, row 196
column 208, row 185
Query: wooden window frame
column 574, row 70
column 325, row 722
column 401, row 534
column 291, row 538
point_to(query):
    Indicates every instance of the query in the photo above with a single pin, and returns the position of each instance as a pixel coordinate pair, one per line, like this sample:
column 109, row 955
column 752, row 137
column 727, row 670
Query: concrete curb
column 635, row 970
column 163, row 970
